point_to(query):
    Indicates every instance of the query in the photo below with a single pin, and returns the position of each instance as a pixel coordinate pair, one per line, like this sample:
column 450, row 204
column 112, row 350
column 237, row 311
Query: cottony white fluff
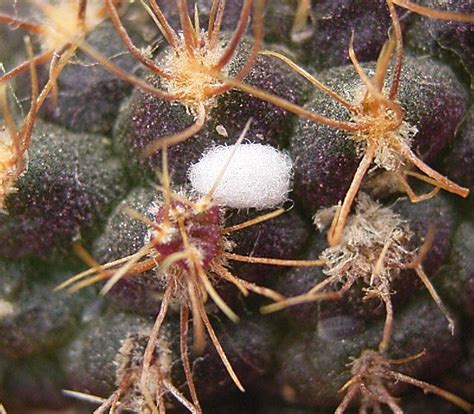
column 258, row 176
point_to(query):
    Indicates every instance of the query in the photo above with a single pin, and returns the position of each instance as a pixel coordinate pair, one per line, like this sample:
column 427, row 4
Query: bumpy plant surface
column 124, row 289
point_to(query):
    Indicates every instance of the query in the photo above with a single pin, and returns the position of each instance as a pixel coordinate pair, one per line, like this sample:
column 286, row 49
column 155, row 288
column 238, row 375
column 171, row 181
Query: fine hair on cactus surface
column 175, row 251
column 377, row 123
column 187, row 246
column 196, row 61
column 14, row 142
column 191, row 71
column 374, row 248
column 371, row 372
column 60, row 29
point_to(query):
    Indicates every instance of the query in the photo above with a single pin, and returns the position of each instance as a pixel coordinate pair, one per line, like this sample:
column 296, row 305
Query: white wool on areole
column 258, row 176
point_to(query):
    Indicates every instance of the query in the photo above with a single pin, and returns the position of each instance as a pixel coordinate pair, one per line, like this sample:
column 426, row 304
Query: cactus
column 124, row 287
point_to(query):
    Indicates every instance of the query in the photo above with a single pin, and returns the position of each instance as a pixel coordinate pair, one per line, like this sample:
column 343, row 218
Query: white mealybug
column 258, row 176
